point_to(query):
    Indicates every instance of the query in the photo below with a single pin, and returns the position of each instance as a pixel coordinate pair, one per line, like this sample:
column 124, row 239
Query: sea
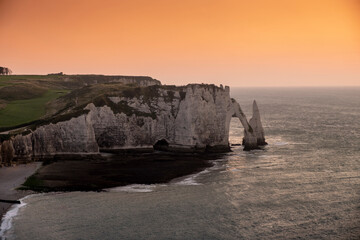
column 305, row 184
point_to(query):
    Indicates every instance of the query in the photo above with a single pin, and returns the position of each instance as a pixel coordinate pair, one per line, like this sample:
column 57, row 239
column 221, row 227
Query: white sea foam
column 288, row 143
column 141, row 188
column 191, row 179
column 281, row 143
column 6, row 222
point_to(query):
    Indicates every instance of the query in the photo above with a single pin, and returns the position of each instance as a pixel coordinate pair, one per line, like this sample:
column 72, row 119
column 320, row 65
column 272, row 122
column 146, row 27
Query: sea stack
column 253, row 131
column 255, row 123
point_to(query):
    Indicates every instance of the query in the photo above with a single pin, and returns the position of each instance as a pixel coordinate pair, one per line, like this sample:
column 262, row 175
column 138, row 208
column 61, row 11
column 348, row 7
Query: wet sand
column 10, row 179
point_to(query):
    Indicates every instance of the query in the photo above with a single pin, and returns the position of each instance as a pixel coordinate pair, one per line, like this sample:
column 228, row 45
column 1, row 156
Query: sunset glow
column 236, row 43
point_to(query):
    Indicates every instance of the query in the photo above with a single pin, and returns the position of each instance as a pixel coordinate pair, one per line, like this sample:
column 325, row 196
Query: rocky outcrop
column 254, row 136
column 6, row 152
column 190, row 118
column 193, row 118
column 249, row 140
column 73, row 136
column 255, row 123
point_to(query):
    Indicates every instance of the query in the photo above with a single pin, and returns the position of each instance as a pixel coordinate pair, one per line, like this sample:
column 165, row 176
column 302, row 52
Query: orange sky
column 233, row 42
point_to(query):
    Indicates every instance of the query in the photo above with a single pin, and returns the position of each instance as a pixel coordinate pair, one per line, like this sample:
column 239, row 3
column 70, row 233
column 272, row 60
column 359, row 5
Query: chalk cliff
column 192, row 118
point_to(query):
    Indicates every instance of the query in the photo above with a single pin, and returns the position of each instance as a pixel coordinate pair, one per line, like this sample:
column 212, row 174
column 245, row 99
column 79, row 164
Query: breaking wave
column 6, row 222
column 141, row 188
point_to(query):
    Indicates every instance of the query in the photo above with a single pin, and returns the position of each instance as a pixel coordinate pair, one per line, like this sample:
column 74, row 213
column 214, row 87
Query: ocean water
column 304, row 185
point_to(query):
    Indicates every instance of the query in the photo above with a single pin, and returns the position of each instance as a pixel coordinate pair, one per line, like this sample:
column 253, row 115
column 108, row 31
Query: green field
column 23, row 111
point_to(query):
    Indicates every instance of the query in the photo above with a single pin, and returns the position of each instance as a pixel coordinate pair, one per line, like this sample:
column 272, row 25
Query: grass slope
column 22, row 111
column 28, row 98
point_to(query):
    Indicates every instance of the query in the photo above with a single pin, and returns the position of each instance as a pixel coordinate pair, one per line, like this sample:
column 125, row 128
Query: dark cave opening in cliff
column 161, row 145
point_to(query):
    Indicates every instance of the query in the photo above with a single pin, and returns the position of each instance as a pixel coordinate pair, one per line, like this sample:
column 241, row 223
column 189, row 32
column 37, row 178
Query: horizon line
column 243, row 86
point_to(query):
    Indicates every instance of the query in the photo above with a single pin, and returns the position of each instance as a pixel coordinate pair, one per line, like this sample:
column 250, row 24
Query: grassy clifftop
column 25, row 98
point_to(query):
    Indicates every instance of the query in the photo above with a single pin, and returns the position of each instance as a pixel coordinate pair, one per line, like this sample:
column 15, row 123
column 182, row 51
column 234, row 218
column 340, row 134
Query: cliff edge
column 115, row 117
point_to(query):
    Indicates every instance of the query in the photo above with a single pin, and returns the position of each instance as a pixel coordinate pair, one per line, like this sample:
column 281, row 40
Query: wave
column 280, row 143
column 141, row 188
column 6, row 222
column 190, row 180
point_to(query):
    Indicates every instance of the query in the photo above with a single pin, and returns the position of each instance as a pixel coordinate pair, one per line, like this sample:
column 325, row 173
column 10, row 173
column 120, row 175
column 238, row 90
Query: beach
column 10, row 179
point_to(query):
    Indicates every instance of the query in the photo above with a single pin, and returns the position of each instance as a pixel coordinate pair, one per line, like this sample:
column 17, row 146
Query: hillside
column 26, row 98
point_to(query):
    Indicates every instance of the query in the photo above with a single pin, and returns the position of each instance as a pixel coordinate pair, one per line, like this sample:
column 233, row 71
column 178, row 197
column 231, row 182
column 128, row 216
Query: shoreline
column 85, row 174
column 80, row 173
column 10, row 179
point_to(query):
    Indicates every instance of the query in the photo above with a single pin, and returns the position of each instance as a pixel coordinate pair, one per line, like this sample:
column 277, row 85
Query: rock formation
column 249, row 140
column 192, row 118
column 255, row 123
column 73, row 136
column 6, row 152
column 187, row 118
column 254, row 136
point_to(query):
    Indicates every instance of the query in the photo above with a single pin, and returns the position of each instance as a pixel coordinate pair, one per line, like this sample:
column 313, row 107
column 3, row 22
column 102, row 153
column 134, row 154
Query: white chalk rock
column 195, row 117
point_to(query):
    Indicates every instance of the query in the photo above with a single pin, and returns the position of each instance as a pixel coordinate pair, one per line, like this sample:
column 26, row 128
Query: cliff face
column 72, row 136
column 6, row 152
column 191, row 118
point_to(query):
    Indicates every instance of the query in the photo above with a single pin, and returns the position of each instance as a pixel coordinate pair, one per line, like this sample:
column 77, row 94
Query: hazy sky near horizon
column 231, row 42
